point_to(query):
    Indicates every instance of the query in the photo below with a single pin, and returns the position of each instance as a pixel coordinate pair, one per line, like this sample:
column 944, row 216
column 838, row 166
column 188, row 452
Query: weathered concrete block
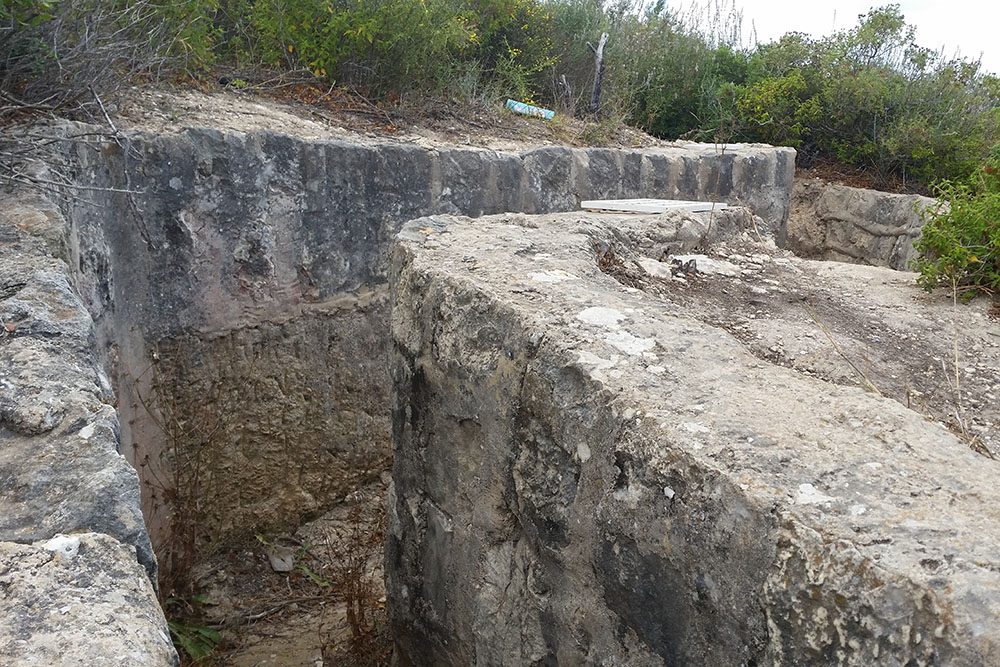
column 837, row 222
column 590, row 469
column 87, row 598
column 60, row 468
column 549, row 180
column 79, row 599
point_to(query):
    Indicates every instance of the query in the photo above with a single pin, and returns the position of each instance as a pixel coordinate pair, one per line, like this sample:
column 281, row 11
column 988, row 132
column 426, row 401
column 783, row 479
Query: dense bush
column 393, row 46
column 960, row 244
column 871, row 97
column 62, row 55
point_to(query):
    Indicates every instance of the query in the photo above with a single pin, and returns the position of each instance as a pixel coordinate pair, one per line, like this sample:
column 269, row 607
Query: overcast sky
column 966, row 26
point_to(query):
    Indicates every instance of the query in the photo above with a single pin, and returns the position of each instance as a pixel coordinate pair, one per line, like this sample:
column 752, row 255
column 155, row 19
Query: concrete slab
column 650, row 205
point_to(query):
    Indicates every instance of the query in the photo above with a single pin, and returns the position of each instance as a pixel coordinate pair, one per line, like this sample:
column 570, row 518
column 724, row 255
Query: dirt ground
column 309, row 112
column 310, row 598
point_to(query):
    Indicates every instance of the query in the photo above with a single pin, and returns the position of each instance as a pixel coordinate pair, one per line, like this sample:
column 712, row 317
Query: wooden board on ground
column 649, row 205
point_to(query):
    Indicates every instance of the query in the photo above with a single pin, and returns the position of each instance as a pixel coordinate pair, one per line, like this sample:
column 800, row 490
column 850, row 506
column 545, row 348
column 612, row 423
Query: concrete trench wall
column 840, row 223
column 260, row 284
column 588, row 471
column 236, row 284
column 76, row 566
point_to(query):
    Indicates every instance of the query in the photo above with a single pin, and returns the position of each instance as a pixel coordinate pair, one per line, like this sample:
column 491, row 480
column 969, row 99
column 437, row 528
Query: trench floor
column 313, row 597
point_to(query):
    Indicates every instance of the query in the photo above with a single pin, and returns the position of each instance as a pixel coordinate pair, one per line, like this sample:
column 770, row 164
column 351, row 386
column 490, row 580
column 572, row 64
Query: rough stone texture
column 60, row 468
column 293, row 410
column 79, row 600
column 238, row 244
column 837, row 222
column 589, row 469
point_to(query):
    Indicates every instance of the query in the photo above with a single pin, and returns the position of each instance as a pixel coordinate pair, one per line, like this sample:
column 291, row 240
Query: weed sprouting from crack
column 959, row 424
column 353, row 554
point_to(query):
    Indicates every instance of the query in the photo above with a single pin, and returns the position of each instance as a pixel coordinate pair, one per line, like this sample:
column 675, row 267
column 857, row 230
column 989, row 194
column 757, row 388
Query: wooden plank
column 649, row 205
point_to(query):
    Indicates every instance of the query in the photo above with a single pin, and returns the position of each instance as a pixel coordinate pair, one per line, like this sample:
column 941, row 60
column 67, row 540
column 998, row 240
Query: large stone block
column 837, row 222
column 594, row 465
column 60, row 466
column 79, row 599
column 86, row 598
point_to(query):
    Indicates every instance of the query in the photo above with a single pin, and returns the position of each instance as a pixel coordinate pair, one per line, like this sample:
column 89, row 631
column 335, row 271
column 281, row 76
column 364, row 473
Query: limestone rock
column 60, row 469
column 604, row 470
column 79, row 599
column 837, row 222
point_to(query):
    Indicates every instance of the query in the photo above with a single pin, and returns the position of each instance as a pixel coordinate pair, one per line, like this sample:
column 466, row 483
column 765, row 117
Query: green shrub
column 382, row 45
column 960, row 244
column 870, row 97
column 780, row 110
column 512, row 43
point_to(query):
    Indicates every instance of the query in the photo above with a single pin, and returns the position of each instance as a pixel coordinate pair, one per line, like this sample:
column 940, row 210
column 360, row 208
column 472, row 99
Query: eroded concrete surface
column 596, row 463
column 225, row 289
column 76, row 567
column 240, row 298
column 845, row 224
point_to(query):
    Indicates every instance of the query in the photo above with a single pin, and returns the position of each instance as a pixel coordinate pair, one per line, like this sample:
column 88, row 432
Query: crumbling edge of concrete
column 76, row 565
column 533, row 480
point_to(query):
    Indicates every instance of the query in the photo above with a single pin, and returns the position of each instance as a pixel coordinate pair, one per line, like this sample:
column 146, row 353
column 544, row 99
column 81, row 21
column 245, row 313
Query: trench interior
column 269, row 441
column 240, row 298
column 241, row 305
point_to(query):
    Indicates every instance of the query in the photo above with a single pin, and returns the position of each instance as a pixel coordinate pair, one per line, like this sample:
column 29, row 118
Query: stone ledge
column 587, row 473
column 61, row 471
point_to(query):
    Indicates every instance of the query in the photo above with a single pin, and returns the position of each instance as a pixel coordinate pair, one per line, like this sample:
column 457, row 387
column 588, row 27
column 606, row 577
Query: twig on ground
column 373, row 106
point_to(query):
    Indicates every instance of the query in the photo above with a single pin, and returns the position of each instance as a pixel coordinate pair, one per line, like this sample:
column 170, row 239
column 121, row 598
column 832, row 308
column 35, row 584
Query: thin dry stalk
column 810, row 309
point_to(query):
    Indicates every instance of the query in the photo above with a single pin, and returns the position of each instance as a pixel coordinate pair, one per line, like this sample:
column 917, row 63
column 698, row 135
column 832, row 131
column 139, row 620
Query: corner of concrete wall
column 840, row 223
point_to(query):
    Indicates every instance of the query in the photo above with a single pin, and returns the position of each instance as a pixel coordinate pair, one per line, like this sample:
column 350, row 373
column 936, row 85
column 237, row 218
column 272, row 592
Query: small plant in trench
column 197, row 641
column 354, row 582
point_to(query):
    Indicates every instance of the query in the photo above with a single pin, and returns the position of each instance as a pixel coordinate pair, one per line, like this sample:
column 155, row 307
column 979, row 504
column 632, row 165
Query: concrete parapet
column 593, row 468
column 841, row 223
column 61, row 471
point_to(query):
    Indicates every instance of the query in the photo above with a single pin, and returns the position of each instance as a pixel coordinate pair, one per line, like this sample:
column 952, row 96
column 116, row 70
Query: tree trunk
column 595, row 98
column 565, row 94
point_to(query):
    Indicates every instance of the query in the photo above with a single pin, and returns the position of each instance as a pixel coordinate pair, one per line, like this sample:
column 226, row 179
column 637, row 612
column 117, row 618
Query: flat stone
column 650, row 205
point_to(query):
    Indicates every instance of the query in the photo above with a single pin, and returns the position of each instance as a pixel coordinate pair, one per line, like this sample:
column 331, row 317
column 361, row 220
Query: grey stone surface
column 253, row 245
column 79, row 599
column 61, row 471
column 837, row 222
column 60, row 468
column 592, row 468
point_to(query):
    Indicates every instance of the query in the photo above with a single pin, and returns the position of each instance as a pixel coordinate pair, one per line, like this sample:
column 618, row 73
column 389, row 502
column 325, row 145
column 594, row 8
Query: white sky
column 969, row 27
